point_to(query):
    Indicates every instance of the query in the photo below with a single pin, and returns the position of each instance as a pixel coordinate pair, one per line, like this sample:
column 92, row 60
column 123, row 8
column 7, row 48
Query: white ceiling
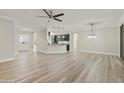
column 73, row 18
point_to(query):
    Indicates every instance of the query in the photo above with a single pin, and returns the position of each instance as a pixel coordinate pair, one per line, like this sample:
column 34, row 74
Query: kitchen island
column 56, row 48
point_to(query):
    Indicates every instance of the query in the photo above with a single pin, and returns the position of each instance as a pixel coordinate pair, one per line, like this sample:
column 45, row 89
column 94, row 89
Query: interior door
column 122, row 41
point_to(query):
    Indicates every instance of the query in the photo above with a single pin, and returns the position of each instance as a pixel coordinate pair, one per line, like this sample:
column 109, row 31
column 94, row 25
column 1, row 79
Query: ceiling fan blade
column 58, row 15
column 42, row 16
column 57, row 19
column 47, row 13
column 50, row 13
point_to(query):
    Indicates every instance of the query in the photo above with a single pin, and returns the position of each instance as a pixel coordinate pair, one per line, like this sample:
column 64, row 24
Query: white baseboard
column 105, row 53
column 5, row 60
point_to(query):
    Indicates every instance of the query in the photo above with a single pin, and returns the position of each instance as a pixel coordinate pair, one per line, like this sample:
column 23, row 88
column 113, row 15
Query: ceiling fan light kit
column 91, row 36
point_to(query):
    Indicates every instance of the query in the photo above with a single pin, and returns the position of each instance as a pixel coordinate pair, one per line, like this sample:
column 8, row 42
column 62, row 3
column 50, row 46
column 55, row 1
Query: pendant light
column 92, row 35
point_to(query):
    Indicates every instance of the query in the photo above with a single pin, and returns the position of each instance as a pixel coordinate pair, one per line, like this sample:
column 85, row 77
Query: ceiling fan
column 51, row 16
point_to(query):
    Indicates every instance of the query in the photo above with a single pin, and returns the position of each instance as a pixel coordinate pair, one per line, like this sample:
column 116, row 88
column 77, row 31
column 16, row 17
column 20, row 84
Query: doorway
column 23, row 42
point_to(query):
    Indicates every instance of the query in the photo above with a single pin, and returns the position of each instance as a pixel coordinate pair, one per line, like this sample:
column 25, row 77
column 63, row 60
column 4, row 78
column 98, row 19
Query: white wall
column 41, row 40
column 106, row 42
column 7, row 29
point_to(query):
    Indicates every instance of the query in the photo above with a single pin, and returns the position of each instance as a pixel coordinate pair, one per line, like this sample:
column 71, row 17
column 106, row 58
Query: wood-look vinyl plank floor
column 71, row 67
